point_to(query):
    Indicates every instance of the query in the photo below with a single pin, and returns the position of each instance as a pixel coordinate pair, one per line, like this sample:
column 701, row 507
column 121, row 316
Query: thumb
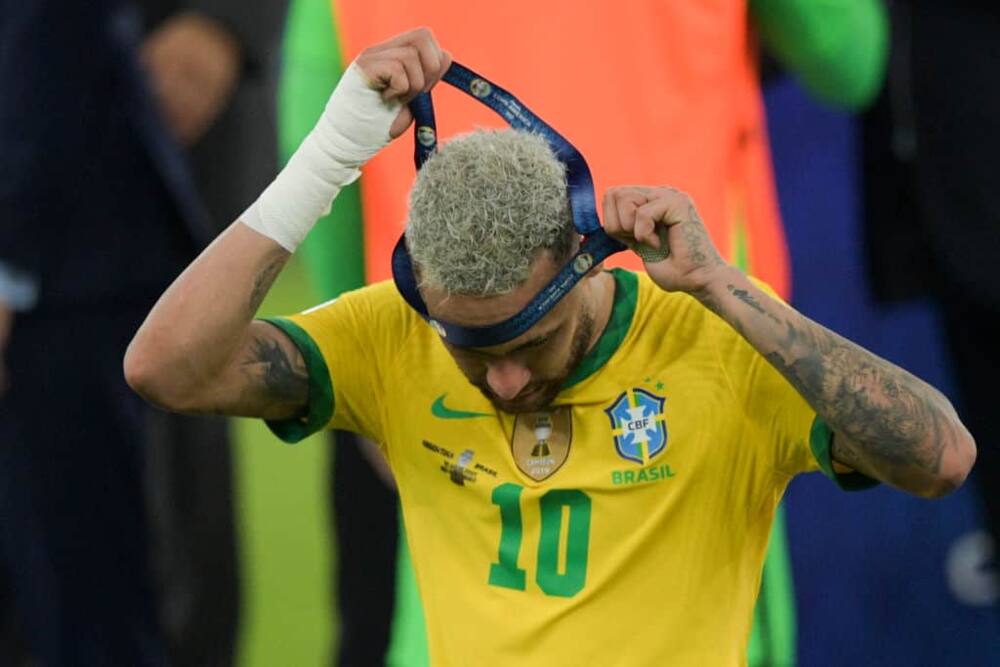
column 651, row 254
column 403, row 120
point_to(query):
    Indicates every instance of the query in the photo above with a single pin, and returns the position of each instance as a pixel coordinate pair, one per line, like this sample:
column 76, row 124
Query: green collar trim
column 320, row 402
column 622, row 310
column 820, row 439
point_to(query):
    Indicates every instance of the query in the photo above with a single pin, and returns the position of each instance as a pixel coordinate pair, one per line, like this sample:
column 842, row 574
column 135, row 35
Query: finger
column 652, row 220
column 627, row 202
column 409, row 58
column 645, row 232
column 611, row 224
column 403, row 120
column 446, row 61
column 626, row 213
column 430, row 59
column 646, row 218
column 676, row 205
column 433, row 62
column 403, row 38
column 389, row 76
column 414, row 71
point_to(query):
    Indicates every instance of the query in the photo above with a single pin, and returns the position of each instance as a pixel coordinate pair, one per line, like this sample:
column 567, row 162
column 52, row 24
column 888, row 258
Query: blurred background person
column 102, row 106
column 931, row 169
column 212, row 66
column 898, row 550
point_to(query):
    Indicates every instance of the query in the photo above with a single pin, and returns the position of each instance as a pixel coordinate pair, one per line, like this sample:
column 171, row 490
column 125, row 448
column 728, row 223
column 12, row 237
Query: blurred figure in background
column 96, row 211
column 212, row 66
column 932, row 159
column 99, row 209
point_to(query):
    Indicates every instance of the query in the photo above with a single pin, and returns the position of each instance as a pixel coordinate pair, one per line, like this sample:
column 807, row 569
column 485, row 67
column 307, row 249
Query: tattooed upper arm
column 274, row 380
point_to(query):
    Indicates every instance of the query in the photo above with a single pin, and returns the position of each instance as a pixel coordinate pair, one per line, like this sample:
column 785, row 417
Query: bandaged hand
column 365, row 112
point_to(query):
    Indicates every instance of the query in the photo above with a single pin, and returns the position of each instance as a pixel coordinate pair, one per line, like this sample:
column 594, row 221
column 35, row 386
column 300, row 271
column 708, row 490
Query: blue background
column 870, row 575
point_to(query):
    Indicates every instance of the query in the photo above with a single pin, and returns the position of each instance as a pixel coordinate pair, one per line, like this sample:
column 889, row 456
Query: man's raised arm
column 199, row 349
column 887, row 423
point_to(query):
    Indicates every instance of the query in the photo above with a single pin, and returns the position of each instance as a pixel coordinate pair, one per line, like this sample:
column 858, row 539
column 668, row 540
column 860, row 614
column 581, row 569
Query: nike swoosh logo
column 439, row 410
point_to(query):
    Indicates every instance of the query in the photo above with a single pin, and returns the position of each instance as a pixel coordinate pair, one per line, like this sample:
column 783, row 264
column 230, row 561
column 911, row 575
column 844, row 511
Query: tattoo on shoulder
column 747, row 298
column 283, row 380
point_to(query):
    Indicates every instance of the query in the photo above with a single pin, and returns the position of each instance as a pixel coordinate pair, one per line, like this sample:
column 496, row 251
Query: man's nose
column 507, row 378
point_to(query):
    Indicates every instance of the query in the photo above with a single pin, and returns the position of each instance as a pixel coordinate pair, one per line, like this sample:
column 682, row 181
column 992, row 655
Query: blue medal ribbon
column 596, row 245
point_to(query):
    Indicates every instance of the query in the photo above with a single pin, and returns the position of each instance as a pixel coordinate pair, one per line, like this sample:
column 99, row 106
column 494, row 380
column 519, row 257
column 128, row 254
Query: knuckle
column 407, row 55
column 425, row 33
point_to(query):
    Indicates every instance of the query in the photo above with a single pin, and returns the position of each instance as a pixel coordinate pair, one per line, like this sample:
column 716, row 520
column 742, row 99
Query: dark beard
column 537, row 396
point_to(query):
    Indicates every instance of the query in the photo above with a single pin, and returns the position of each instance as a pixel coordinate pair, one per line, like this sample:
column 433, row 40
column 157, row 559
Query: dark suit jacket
column 237, row 158
column 94, row 202
column 933, row 156
column 97, row 201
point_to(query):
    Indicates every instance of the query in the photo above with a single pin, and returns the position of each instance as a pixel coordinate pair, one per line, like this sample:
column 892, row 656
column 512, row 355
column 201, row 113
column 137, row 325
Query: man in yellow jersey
column 596, row 490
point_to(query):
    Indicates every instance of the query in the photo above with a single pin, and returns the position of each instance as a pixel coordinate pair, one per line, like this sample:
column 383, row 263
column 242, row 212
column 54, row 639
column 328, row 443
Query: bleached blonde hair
column 484, row 208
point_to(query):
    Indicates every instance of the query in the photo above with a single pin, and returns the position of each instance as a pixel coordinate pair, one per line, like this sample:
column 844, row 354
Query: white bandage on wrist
column 352, row 129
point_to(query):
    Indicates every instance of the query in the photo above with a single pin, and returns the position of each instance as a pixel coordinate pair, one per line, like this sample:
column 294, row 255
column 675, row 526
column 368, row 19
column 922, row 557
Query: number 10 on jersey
column 505, row 572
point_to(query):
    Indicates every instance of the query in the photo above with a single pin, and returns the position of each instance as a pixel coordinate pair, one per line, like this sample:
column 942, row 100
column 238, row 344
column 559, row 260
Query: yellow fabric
column 673, row 549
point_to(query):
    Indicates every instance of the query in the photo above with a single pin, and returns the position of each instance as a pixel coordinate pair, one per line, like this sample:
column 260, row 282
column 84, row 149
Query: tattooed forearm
column 748, row 299
column 841, row 450
column 888, row 423
column 701, row 249
column 263, row 281
column 892, row 415
column 276, row 379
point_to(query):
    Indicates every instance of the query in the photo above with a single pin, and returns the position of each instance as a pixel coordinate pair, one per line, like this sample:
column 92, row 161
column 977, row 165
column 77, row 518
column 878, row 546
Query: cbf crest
column 638, row 425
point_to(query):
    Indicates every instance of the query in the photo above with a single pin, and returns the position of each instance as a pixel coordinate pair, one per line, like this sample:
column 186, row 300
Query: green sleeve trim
column 320, row 402
column 820, row 438
column 622, row 310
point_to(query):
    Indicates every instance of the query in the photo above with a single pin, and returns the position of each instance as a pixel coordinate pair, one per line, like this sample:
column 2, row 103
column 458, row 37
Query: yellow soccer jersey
column 625, row 526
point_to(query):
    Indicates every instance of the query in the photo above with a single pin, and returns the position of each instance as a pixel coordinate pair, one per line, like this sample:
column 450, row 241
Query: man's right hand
column 402, row 67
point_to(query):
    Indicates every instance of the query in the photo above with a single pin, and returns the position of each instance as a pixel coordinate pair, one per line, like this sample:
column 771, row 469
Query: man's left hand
column 664, row 219
column 194, row 63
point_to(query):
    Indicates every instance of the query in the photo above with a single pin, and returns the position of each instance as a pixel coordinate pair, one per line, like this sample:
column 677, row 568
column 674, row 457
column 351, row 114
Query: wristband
column 353, row 128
